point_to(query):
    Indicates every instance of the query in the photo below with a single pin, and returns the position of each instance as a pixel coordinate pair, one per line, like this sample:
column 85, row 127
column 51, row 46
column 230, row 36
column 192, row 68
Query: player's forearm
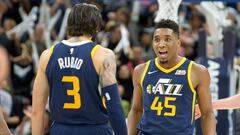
column 208, row 124
column 114, row 109
column 37, row 122
column 3, row 126
column 132, row 121
column 227, row 103
column 4, row 131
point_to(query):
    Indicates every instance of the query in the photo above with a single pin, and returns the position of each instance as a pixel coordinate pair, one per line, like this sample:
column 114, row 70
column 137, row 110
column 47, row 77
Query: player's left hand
column 197, row 112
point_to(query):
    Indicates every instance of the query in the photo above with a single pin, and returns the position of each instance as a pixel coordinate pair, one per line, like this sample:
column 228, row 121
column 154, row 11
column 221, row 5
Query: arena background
column 209, row 31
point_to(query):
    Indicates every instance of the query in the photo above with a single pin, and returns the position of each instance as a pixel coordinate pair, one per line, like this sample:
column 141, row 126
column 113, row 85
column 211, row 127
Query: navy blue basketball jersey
column 168, row 99
column 74, row 84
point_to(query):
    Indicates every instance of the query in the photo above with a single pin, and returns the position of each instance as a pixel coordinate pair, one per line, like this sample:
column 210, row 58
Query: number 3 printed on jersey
column 73, row 92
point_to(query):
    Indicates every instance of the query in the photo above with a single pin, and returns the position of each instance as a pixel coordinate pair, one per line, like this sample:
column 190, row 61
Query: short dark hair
column 167, row 23
column 84, row 19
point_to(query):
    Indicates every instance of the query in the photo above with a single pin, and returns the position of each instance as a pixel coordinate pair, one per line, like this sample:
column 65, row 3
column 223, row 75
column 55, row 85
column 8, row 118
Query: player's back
column 74, row 84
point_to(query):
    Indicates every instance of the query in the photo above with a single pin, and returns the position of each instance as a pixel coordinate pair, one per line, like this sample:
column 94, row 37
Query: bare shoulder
column 200, row 74
column 44, row 58
column 103, row 53
column 138, row 72
column 107, row 63
column 198, row 68
column 140, row 68
column 106, row 52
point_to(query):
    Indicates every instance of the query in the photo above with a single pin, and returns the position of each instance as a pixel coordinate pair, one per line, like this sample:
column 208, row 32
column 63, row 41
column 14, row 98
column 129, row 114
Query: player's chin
column 163, row 60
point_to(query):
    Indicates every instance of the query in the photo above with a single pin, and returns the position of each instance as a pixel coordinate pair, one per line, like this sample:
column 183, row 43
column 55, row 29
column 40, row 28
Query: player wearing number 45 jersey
column 70, row 73
column 166, row 88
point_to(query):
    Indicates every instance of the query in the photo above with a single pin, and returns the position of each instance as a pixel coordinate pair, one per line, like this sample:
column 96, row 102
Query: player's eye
column 156, row 40
column 168, row 39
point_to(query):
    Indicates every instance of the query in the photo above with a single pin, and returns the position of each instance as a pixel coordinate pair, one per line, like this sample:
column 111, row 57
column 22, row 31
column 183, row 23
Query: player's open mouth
column 163, row 53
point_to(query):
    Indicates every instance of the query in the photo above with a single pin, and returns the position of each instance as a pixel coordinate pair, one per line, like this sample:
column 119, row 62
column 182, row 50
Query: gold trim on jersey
column 192, row 89
column 51, row 50
column 94, row 50
column 104, row 103
column 144, row 73
column 170, row 69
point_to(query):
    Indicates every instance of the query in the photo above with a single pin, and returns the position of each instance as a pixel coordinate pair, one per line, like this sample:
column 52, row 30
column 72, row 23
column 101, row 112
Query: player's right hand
column 197, row 112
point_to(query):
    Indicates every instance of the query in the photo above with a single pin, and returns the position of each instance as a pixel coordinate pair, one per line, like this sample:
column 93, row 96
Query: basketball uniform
column 168, row 99
column 75, row 102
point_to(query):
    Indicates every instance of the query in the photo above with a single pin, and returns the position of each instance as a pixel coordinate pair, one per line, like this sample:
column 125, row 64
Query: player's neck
column 79, row 39
column 170, row 63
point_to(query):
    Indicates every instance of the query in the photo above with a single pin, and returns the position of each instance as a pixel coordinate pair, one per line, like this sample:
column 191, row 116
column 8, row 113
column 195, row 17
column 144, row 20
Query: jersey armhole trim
column 94, row 50
column 50, row 55
column 192, row 89
column 51, row 50
column 144, row 73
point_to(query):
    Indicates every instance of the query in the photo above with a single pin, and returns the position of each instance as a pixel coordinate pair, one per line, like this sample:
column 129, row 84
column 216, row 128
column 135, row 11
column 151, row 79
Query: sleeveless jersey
column 74, row 84
column 168, row 99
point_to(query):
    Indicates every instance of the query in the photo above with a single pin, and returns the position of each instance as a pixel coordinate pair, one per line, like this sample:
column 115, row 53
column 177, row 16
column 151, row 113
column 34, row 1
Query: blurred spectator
column 25, row 127
column 8, row 24
column 123, row 18
column 3, row 126
column 137, row 58
column 146, row 43
column 187, row 43
column 10, row 44
column 22, row 74
column 6, row 101
column 196, row 22
column 125, row 79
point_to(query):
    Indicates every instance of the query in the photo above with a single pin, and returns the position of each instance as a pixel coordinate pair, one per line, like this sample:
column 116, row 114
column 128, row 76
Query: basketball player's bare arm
column 4, row 65
column 109, row 86
column 222, row 104
column 227, row 103
column 3, row 126
column 136, row 111
column 40, row 95
column 201, row 77
column 108, row 69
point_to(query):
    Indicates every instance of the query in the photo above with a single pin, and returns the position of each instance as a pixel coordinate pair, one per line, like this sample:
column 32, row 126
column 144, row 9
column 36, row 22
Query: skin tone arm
column 109, row 87
column 227, row 103
column 108, row 68
column 202, row 76
column 222, row 104
column 3, row 126
column 40, row 95
column 136, row 111
column 4, row 65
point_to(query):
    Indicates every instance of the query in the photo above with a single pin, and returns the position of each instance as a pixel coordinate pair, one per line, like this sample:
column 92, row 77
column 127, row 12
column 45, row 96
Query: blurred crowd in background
column 126, row 31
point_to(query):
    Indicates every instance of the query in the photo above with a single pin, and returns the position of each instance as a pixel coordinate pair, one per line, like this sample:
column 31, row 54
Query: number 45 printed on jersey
column 164, row 87
column 156, row 105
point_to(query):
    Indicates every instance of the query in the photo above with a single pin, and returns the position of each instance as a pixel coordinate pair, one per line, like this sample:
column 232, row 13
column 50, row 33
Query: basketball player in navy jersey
column 3, row 126
column 166, row 88
column 70, row 73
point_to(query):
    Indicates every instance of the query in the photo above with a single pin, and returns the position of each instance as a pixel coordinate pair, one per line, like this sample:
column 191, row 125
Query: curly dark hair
column 167, row 23
column 84, row 19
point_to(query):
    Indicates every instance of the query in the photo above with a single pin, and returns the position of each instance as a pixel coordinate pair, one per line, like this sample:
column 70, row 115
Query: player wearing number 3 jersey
column 71, row 73
column 166, row 89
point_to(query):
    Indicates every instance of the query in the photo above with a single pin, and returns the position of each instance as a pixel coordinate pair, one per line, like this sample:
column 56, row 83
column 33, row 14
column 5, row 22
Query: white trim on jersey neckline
column 75, row 43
